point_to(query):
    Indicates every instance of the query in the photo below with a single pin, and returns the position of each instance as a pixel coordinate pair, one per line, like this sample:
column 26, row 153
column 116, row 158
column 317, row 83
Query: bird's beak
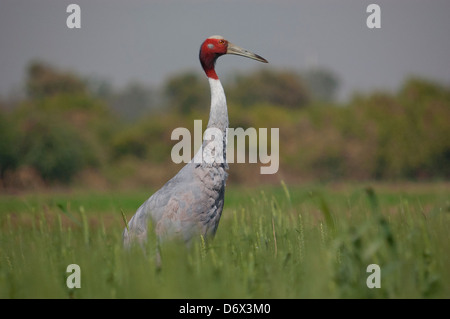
column 234, row 49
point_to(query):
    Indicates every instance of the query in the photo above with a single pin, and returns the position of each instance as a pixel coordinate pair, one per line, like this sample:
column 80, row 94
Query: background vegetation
column 68, row 130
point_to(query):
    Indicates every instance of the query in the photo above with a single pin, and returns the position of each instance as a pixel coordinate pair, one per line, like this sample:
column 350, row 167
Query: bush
column 44, row 80
column 187, row 92
column 279, row 88
column 149, row 139
column 54, row 150
column 9, row 157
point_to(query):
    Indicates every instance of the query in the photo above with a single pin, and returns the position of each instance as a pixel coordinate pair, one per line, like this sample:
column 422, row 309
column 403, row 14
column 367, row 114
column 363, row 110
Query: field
column 311, row 241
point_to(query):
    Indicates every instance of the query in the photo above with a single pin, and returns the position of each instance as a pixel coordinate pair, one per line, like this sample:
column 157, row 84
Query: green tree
column 55, row 150
column 64, row 128
column 187, row 92
column 9, row 157
column 408, row 130
column 44, row 80
column 281, row 88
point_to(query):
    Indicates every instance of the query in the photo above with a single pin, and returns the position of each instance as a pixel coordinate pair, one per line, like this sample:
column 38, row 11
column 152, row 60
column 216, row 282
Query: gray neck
column 218, row 119
column 218, row 116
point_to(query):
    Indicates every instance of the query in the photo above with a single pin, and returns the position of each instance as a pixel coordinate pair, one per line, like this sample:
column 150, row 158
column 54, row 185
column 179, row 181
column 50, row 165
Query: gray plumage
column 191, row 203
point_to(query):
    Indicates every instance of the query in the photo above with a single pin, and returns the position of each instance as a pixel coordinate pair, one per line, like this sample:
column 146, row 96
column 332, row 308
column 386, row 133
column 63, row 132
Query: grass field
column 313, row 241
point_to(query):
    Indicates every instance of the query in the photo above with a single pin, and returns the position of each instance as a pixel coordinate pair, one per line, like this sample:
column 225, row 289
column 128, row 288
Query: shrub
column 54, row 150
column 9, row 157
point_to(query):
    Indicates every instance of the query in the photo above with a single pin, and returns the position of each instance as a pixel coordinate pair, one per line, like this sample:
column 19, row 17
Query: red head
column 214, row 47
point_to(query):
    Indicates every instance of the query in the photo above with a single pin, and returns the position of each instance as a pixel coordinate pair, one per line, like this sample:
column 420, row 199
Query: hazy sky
column 147, row 41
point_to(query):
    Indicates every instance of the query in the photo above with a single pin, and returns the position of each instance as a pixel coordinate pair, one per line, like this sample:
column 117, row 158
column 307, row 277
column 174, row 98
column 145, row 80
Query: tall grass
column 308, row 242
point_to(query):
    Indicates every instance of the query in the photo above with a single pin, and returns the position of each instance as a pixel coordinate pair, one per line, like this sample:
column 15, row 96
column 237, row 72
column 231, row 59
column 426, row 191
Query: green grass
column 273, row 242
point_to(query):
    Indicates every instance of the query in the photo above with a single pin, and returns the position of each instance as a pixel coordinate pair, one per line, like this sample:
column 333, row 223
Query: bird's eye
column 221, row 41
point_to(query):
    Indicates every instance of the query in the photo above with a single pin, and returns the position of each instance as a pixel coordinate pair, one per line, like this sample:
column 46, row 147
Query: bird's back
column 188, row 205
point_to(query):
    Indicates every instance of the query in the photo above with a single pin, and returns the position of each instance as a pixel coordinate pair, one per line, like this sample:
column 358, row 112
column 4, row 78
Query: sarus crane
column 190, row 204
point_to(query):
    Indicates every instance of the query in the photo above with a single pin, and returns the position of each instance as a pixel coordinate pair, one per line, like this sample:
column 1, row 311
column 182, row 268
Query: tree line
column 70, row 130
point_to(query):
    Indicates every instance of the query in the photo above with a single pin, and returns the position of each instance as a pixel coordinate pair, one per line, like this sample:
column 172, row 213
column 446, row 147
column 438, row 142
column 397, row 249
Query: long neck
column 218, row 116
column 218, row 119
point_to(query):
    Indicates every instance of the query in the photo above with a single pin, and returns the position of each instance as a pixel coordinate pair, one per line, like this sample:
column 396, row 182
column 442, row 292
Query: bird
column 190, row 204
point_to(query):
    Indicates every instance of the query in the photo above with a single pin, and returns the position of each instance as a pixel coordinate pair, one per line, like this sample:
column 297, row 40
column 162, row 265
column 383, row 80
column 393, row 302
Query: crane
column 190, row 204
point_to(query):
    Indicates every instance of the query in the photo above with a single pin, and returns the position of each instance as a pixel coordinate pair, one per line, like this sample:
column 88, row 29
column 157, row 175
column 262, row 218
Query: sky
column 148, row 41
